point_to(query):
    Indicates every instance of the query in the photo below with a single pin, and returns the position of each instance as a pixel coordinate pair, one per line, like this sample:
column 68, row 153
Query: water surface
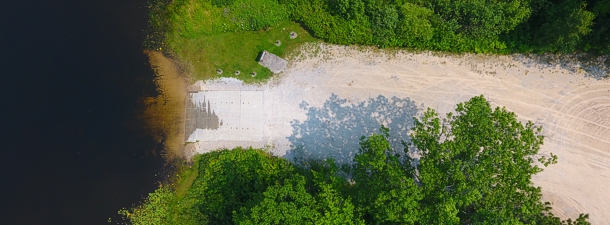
column 73, row 75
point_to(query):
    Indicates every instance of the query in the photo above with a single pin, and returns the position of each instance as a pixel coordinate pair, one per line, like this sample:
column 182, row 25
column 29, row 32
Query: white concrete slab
column 239, row 112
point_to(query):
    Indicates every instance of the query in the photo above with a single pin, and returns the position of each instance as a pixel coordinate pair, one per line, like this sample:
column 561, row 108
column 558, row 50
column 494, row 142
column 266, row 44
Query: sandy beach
column 329, row 96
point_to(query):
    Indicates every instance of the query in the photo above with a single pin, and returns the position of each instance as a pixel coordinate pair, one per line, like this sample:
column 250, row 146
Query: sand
column 328, row 96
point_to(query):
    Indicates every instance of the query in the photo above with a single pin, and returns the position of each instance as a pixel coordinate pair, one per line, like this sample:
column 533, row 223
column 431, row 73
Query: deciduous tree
column 476, row 166
column 385, row 191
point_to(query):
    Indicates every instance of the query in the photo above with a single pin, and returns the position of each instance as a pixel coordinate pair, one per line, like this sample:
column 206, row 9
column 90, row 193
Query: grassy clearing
column 237, row 51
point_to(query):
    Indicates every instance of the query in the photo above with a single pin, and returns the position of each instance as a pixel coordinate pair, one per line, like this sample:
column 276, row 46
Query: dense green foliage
column 483, row 167
column 191, row 19
column 559, row 26
column 472, row 167
column 154, row 210
column 491, row 26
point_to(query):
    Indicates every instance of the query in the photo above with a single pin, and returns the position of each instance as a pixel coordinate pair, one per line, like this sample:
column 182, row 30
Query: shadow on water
column 334, row 129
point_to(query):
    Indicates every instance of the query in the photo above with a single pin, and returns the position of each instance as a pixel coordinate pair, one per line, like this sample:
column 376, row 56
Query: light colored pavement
column 239, row 117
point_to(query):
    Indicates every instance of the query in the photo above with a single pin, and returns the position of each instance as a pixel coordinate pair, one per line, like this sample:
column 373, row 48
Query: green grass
column 181, row 207
column 184, row 179
column 237, row 51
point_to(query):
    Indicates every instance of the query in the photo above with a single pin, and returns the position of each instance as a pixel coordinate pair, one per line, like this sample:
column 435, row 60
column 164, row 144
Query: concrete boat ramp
column 218, row 119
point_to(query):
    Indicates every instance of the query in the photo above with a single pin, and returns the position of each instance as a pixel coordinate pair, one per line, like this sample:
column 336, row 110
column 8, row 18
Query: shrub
column 153, row 211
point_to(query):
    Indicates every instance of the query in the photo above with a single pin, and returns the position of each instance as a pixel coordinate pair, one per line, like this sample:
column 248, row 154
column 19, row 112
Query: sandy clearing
column 327, row 97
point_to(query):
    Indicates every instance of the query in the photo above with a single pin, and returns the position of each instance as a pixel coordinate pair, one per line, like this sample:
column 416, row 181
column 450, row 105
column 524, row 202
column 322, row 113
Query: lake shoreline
column 164, row 114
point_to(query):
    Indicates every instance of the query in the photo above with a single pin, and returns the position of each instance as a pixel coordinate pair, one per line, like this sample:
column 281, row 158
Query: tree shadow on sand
column 593, row 66
column 334, row 130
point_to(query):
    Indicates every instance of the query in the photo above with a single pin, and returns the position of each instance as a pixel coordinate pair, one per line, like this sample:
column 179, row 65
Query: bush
column 192, row 19
column 253, row 15
column 154, row 211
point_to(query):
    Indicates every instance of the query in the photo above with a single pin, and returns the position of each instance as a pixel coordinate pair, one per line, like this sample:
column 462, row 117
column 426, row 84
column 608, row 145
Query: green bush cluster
column 474, row 167
column 192, row 19
column 560, row 26
column 154, row 210
column 385, row 24
column 481, row 26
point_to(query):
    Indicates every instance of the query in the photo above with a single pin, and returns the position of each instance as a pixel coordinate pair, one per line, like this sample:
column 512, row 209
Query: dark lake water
column 72, row 74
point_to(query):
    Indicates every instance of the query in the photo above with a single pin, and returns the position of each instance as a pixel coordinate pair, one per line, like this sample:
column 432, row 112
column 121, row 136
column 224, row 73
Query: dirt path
column 328, row 99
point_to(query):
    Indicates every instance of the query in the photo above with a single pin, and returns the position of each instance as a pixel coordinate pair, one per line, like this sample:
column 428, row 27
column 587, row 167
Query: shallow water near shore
column 164, row 114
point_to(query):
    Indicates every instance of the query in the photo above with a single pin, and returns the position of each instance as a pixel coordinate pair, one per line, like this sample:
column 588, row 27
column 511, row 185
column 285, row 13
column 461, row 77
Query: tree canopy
column 480, row 161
